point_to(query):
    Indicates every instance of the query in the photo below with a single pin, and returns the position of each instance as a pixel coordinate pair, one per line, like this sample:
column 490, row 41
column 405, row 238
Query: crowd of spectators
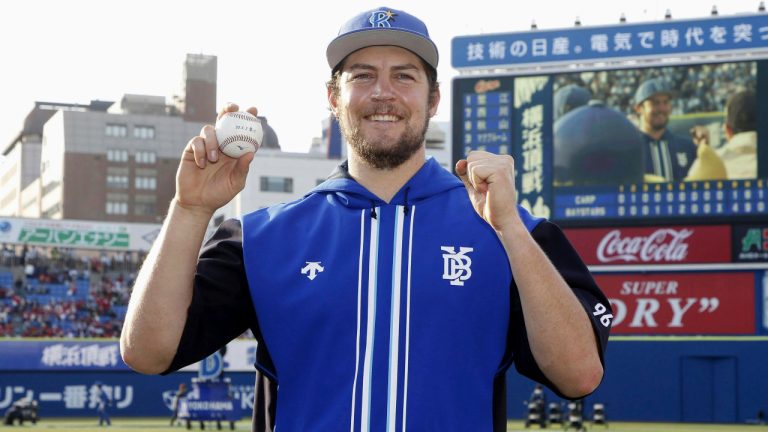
column 53, row 292
column 67, row 293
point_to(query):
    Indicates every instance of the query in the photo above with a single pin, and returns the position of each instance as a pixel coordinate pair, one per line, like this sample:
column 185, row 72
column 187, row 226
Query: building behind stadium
column 116, row 161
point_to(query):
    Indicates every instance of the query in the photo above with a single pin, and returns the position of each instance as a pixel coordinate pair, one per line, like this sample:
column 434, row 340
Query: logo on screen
column 483, row 86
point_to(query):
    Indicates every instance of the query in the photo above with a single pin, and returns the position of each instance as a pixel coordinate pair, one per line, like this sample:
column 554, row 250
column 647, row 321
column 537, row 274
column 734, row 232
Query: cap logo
column 382, row 18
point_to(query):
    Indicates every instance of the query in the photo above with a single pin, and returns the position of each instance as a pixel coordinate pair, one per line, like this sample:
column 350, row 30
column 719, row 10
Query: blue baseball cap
column 382, row 26
column 651, row 87
column 570, row 97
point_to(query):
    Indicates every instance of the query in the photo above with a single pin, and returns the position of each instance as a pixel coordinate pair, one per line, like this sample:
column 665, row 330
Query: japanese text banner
column 745, row 32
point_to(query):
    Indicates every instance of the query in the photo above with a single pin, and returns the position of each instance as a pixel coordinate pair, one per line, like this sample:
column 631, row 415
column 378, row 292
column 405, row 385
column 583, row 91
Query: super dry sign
column 653, row 245
column 681, row 303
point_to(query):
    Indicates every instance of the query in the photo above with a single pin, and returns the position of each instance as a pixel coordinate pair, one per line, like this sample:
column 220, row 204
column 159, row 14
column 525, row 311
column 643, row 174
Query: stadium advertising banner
column 624, row 41
column 718, row 303
column 750, row 243
column 60, row 355
column 590, row 148
column 85, row 355
column 78, row 234
column 240, row 356
column 652, row 245
column 62, row 375
column 75, row 394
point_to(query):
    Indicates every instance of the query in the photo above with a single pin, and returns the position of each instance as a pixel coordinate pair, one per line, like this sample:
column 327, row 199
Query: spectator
column 740, row 152
column 738, row 156
column 29, row 270
column 32, row 255
column 8, row 256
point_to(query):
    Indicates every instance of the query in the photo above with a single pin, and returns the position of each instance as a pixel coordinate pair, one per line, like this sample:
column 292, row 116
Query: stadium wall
column 668, row 379
column 673, row 379
column 62, row 376
column 73, row 394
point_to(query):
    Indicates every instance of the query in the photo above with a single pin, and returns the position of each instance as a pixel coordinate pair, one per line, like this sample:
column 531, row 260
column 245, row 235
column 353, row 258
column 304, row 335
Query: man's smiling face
column 383, row 104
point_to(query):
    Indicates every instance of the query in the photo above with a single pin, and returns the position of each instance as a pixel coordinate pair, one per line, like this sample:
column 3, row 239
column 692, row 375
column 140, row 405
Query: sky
column 271, row 54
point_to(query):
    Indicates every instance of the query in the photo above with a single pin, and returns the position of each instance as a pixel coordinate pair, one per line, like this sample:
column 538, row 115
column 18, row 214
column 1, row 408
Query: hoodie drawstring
column 405, row 208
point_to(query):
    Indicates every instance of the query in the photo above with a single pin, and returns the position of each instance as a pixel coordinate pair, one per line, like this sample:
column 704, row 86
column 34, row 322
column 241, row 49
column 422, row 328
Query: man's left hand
column 490, row 182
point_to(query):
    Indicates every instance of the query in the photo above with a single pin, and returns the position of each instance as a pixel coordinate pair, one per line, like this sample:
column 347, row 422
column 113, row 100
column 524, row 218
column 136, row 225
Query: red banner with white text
column 653, row 245
column 681, row 303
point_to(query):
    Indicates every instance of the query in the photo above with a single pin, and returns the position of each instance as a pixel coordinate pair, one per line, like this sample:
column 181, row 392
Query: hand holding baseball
column 205, row 181
column 490, row 182
column 238, row 133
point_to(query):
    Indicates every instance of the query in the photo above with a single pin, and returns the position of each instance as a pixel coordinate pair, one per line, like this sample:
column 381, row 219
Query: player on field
column 392, row 296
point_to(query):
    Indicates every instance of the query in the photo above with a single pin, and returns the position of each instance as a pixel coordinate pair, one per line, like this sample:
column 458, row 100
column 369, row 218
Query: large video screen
column 626, row 145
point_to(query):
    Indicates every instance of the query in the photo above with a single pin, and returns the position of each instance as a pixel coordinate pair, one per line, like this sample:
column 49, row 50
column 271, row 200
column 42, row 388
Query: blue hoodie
column 381, row 316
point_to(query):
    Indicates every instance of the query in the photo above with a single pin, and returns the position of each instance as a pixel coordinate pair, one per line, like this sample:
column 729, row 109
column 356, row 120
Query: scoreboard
column 517, row 115
column 688, row 199
column 519, row 94
column 486, row 121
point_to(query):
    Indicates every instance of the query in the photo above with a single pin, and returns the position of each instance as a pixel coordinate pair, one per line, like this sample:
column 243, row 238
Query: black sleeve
column 221, row 307
column 567, row 261
column 264, row 404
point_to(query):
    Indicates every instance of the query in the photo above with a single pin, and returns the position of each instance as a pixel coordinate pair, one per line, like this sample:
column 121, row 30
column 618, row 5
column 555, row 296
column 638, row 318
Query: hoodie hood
column 430, row 180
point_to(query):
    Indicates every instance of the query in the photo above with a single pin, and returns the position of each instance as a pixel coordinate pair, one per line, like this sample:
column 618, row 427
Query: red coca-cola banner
column 681, row 303
column 653, row 245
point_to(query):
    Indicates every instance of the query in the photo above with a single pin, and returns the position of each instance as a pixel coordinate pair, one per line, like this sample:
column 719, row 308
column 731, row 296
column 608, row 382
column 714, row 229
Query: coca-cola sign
column 664, row 244
column 653, row 245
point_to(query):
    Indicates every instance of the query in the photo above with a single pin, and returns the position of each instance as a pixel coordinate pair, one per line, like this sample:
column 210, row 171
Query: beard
column 374, row 150
column 658, row 122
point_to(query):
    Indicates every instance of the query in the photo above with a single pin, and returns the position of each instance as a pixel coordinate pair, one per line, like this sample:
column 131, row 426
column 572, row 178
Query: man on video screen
column 667, row 156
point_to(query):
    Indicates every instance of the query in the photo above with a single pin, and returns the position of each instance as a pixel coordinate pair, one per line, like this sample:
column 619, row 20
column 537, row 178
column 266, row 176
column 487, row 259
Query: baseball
column 238, row 133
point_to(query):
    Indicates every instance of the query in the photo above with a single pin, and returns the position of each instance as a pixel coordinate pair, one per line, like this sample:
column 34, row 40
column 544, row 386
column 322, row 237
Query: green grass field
column 158, row 425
